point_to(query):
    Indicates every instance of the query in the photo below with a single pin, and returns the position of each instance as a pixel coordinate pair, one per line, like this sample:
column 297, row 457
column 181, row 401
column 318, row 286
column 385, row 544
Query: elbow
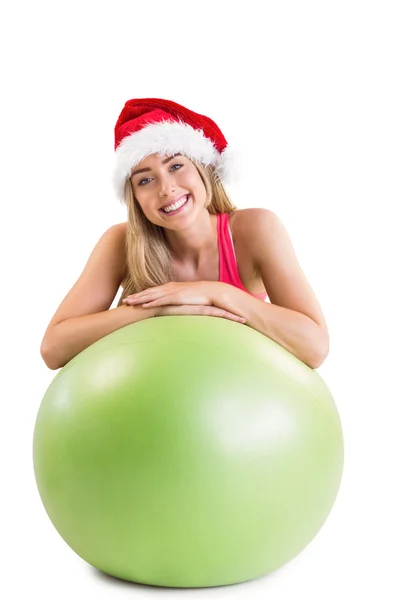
column 317, row 361
column 320, row 351
column 48, row 357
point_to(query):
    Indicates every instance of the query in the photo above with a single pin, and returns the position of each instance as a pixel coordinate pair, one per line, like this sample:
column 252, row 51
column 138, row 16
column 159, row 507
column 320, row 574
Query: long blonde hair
column 147, row 255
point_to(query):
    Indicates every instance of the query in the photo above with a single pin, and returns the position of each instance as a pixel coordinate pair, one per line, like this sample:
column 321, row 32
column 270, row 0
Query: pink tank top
column 228, row 271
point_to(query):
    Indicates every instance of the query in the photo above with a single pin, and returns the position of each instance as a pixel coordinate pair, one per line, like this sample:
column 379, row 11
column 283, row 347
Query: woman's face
column 160, row 180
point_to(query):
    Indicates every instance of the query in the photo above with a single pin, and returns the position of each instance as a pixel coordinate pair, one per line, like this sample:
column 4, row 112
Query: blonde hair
column 147, row 255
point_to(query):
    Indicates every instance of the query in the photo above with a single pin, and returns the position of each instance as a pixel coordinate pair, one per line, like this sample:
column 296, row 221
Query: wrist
column 217, row 292
column 152, row 311
column 145, row 313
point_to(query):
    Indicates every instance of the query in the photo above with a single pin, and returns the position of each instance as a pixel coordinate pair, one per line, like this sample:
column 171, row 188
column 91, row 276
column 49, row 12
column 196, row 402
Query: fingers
column 235, row 317
column 199, row 309
column 220, row 312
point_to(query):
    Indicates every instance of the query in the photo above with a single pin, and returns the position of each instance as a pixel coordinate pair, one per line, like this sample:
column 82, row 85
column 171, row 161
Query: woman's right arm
column 83, row 317
column 66, row 339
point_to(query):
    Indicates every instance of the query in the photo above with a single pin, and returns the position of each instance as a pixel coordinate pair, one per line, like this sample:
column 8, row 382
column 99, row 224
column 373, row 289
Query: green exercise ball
column 187, row 451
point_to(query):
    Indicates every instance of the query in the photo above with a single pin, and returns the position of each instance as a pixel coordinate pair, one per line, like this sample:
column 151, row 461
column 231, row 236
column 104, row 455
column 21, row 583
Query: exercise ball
column 187, row 451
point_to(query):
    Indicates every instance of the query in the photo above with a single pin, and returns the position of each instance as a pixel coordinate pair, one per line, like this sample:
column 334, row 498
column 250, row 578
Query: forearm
column 66, row 339
column 296, row 332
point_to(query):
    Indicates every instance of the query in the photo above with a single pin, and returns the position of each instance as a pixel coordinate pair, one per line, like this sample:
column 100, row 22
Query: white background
column 309, row 91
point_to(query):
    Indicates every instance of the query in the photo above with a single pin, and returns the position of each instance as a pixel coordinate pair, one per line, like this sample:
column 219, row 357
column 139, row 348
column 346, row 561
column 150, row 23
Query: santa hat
column 152, row 125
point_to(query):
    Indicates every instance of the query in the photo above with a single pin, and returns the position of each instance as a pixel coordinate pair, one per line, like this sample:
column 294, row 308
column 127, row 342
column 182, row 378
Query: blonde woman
column 185, row 249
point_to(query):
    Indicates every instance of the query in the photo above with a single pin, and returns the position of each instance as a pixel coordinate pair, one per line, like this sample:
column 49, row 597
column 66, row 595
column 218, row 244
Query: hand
column 193, row 309
column 175, row 292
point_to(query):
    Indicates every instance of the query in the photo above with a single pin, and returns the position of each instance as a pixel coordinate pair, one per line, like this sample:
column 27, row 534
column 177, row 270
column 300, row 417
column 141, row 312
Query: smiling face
column 160, row 180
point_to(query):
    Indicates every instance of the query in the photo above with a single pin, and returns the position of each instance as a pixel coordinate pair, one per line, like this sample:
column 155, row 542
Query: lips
column 173, row 201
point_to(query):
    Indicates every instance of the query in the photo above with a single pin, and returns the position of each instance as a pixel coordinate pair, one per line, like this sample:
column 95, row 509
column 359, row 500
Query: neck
column 192, row 245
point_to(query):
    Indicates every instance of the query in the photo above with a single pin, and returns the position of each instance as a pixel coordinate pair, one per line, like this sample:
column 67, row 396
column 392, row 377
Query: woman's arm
column 294, row 318
column 291, row 329
column 84, row 315
column 67, row 338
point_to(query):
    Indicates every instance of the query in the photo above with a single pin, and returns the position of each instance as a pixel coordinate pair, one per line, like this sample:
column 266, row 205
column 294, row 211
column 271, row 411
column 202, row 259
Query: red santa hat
column 152, row 125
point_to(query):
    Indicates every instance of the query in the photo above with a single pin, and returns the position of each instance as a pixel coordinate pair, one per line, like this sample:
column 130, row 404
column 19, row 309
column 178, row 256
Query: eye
column 141, row 182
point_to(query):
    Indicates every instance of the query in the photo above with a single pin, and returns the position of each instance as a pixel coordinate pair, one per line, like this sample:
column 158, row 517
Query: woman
column 185, row 248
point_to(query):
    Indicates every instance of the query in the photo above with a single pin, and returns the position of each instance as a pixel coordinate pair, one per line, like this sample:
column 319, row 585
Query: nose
column 167, row 184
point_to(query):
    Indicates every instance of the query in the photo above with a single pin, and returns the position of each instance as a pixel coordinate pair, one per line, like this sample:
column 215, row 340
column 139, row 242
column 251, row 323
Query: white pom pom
column 229, row 166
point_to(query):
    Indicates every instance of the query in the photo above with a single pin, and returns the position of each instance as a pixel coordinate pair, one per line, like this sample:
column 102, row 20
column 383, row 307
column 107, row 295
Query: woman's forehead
column 155, row 159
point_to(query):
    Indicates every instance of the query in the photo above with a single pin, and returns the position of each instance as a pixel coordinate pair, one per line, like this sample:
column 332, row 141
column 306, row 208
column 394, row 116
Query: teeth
column 176, row 205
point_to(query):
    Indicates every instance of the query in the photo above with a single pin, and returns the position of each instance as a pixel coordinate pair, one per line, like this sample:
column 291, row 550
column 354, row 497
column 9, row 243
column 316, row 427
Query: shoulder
column 250, row 215
column 117, row 232
column 120, row 228
column 264, row 236
column 116, row 236
column 249, row 223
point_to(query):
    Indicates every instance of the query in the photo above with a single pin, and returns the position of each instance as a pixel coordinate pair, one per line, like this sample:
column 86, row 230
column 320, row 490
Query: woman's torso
column 210, row 270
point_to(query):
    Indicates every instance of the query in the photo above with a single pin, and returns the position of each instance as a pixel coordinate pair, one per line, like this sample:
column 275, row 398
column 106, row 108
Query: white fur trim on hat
column 169, row 138
column 229, row 165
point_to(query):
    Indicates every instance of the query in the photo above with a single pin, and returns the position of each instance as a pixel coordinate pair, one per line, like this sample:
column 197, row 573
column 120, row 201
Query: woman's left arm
column 294, row 318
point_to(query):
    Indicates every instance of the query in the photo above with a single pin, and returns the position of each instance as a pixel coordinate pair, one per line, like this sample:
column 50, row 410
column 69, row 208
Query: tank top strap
column 228, row 270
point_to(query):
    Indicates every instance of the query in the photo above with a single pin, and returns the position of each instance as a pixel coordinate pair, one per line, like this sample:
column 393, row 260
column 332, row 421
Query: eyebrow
column 148, row 169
